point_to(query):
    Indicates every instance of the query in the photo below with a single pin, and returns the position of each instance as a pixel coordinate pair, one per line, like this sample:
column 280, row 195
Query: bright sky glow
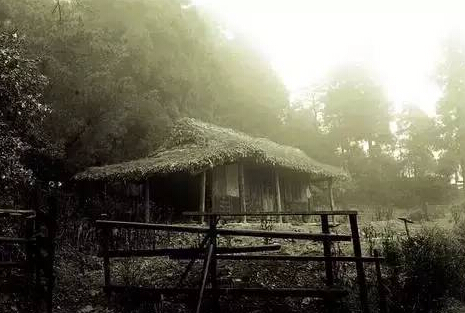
column 305, row 40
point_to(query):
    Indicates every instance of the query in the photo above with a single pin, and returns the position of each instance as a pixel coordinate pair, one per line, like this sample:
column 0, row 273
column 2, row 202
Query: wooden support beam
column 278, row 195
column 241, row 182
column 309, row 198
column 147, row 201
column 330, row 194
column 203, row 179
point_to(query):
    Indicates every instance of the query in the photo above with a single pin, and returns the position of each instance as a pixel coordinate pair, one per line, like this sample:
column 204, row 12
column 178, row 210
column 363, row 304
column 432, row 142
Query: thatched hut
column 206, row 167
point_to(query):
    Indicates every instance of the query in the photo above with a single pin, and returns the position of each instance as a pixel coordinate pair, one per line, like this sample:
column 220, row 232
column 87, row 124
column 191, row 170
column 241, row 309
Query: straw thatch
column 194, row 146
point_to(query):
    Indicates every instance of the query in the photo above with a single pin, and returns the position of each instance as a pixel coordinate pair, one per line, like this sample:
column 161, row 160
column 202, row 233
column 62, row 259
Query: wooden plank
column 135, row 225
column 242, row 192
column 17, row 212
column 314, row 213
column 187, row 252
column 147, row 201
column 11, row 240
column 277, row 191
column 262, row 292
column 297, row 258
column 358, row 264
column 203, row 180
column 206, row 268
column 6, row 264
column 283, row 234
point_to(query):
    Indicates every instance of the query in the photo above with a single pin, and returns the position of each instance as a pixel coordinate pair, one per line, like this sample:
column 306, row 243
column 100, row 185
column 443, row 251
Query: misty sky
column 305, row 40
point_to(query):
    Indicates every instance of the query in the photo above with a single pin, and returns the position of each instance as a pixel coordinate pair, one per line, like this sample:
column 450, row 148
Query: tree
column 22, row 113
column 451, row 106
column 355, row 110
column 416, row 133
column 122, row 71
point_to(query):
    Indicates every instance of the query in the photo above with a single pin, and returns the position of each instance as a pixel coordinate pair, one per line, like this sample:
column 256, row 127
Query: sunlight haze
column 305, row 40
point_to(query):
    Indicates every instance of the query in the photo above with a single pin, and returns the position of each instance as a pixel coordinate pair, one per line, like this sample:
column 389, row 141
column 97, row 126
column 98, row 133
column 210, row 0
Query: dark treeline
column 100, row 81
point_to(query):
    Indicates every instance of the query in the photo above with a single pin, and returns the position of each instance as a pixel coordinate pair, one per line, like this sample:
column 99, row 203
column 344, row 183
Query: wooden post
column 359, row 263
column 241, row 182
column 327, row 251
column 309, row 203
column 330, row 194
column 278, row 195
column 214, row 264
column 203, row 179
column 147, row 201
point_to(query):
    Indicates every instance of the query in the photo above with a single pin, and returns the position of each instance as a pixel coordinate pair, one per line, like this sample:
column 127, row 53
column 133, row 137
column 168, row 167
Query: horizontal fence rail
column 292, row 292
column 187, row 252
column 314, row 213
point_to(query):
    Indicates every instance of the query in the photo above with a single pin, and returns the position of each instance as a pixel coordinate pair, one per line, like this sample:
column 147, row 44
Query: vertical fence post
column 379, row 278
column 213, row 264
column 359, row 263
column 31, row 262
column 327, row 251
column 29, row 246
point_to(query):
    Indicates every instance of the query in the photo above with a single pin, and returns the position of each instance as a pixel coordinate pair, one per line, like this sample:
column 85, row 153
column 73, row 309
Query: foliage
column 450, row 109
column 22, row 113
column 121, row 72
column 425, row 270
column 355, row 110
column 416, row 132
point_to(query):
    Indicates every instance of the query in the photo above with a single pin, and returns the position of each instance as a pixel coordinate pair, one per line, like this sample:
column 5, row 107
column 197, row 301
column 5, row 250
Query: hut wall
column 225, row 188
column 260, row 193
column 259, row 189
column 295, row 192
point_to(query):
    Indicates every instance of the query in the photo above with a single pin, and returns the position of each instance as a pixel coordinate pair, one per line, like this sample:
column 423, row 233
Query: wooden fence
column 209, row 251
column 36, row 277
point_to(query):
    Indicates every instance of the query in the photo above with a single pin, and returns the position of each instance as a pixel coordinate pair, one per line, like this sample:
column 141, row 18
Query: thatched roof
column 194, row 145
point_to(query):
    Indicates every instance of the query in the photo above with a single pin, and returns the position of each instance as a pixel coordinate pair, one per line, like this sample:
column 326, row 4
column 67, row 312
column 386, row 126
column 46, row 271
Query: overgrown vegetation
column 93, row 82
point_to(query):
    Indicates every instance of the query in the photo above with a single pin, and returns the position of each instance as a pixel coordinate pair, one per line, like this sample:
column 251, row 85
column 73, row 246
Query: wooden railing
column 209, row 251
column 38, row 260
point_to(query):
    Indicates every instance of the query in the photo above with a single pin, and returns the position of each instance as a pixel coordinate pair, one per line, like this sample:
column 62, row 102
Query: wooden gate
column 209, row 251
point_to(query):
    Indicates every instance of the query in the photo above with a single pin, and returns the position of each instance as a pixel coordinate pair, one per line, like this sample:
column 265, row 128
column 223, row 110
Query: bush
column 426, row 270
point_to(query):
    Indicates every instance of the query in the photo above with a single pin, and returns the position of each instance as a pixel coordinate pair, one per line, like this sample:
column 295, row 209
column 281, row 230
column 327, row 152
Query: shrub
column 425, row 270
